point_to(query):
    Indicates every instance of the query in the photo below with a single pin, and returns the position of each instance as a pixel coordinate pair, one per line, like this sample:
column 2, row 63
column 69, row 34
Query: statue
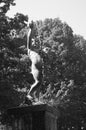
column 36, row 69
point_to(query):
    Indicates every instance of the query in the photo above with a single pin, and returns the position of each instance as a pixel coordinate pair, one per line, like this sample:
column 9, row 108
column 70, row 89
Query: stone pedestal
column 35, row 117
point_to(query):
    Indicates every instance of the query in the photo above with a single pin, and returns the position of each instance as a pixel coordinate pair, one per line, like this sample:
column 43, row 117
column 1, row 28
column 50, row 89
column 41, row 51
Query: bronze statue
column 36, row 68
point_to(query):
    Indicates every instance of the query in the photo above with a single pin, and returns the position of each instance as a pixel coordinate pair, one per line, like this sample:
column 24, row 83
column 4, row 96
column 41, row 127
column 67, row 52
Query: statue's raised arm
column 29, row 35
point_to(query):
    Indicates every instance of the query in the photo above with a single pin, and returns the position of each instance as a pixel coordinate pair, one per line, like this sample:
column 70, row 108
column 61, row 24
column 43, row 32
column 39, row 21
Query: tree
column 10, row 54
column 64, row 67
column 64, row 62
column 5, row 5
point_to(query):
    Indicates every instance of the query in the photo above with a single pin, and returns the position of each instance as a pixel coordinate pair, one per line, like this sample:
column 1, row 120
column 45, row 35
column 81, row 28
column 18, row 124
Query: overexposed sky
column 70, row 11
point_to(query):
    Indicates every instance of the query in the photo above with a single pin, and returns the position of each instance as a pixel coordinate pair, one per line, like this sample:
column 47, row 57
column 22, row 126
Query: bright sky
column 70, row 11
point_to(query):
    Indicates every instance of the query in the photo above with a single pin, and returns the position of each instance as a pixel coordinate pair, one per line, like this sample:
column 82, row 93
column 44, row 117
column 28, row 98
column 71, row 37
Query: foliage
column 10, row 53
column 64, row 72
column 5, row 5
column 64, row 66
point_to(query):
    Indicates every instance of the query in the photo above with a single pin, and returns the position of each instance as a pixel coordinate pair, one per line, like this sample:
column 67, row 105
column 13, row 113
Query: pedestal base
column 33, row 117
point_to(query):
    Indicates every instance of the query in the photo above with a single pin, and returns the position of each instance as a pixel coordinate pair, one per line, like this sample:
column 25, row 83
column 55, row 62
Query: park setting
column 42, row 65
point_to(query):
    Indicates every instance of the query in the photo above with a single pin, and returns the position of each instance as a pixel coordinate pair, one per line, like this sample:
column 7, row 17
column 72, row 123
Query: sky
column 70, row 11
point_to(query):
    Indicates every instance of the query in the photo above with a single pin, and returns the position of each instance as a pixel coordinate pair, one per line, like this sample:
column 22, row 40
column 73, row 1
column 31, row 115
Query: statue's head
column 31, row 25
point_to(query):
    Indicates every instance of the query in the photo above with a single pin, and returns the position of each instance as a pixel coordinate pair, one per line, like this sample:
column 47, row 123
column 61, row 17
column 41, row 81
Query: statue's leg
column 34, row 90
column 33, row 86
column 33, row 93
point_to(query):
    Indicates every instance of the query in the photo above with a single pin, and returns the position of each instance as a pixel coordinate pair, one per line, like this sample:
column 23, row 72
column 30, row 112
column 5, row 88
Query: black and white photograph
column 42, row 65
